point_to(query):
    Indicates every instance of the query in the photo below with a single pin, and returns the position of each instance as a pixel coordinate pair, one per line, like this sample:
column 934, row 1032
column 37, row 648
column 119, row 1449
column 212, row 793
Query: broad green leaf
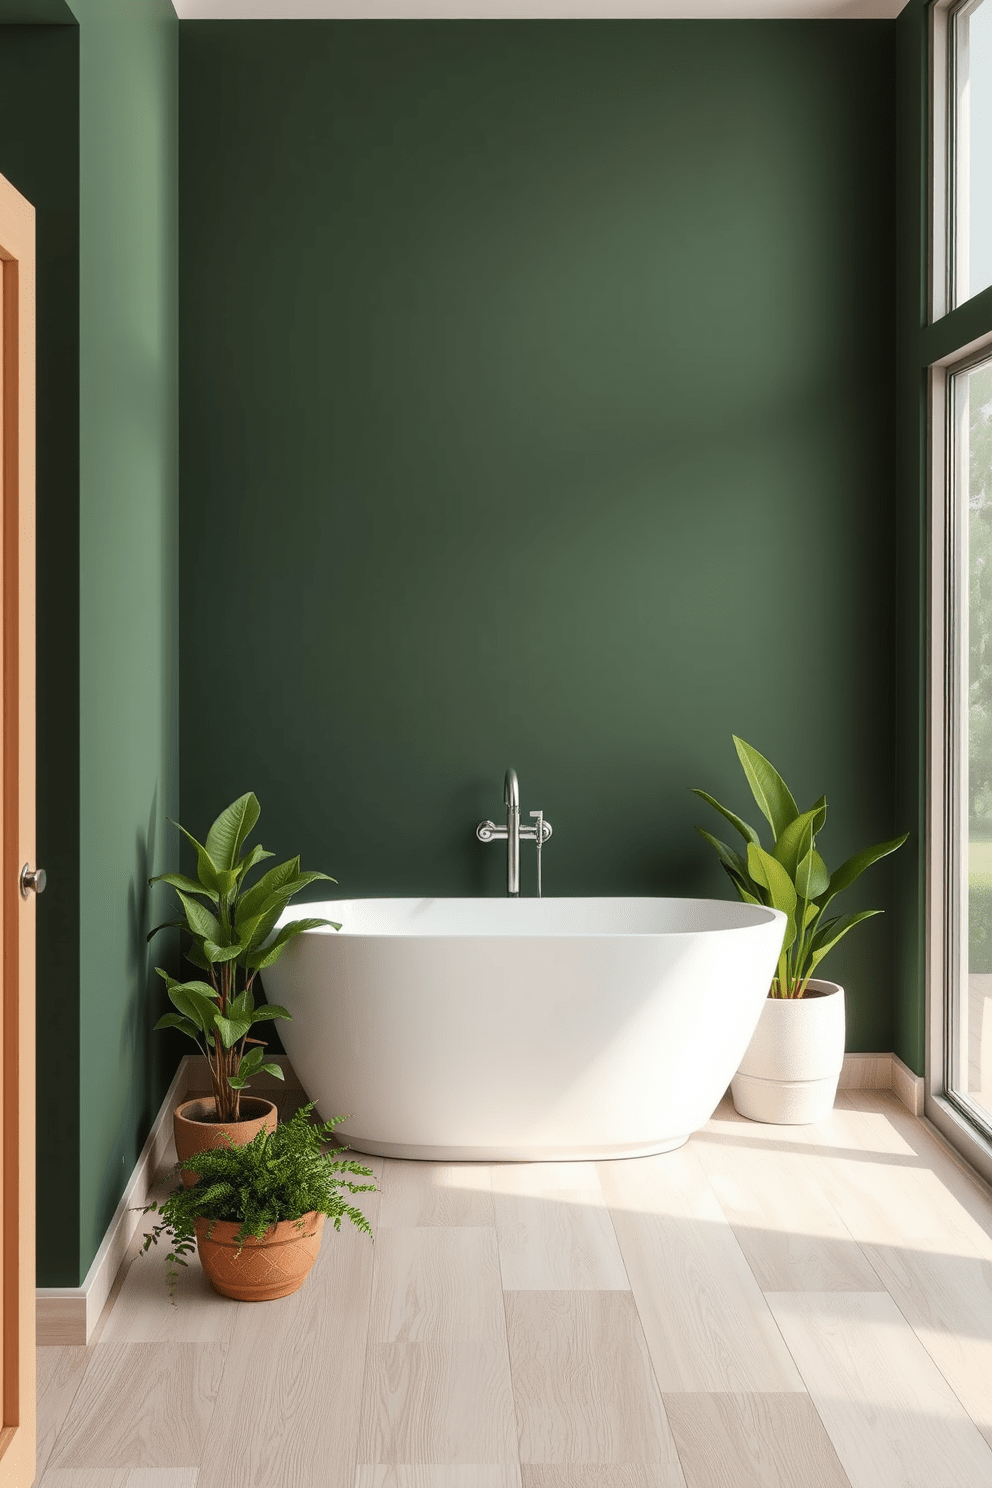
column 166, row 925
column 256, row 931
column 839, row 930
column 266, row 955
column 193, row 1005
column 227, row 882
column 769, row 873
column 200, row 920
column 206, row 868
column 203, row 988
column 747, row 832
column 773, row 796
column 231, row 1029
column 269, row 1010
column 243, row 1003
column 251, row 859
column 795, row 842
column 274, row 1069
column 810, row 914
column 251, row 902
column 731, row 860
column 176, row 1020
column 844, row 876
column 251, row 1062
column 180, row 881
column 226, row 836
column 217, row 954
column 811, row 876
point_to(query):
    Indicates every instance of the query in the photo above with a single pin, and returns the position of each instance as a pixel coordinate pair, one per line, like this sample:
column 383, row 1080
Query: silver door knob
column 32, row 878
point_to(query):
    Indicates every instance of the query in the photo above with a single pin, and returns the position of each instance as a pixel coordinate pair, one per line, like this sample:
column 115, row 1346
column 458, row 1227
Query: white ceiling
column 417, row 10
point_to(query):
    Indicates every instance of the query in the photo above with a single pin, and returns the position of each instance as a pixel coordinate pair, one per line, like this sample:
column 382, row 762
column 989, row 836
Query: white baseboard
column 883, row 1072
column 70, row 1314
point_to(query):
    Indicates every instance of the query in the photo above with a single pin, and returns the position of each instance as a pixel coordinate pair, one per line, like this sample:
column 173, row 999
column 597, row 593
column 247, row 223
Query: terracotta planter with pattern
column 274, row 1266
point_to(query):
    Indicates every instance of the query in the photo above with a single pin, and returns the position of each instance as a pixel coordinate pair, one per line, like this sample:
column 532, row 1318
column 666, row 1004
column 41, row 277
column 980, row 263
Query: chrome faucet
column 513, row 834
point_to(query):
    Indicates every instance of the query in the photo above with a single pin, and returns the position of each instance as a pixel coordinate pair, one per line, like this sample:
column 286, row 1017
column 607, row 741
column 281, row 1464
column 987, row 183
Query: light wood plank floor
column 769, row 1307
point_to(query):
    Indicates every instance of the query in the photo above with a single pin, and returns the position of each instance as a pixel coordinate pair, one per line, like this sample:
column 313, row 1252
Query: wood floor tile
column 59, row 1374
column 430, row 1475
column 582, row 1381
column 442, row 1403
column 162, row 1477
column 141, row 1405
column 892, row 1417
column 923, row 1148
column 947, row 1300
column 147, row 1312
column 415, row 1194
column 595, row 1475
column 705, row 1319
column 753, row 1441
column 791, row 1234
column 85, row 1477
column 288, row 1407
column 435, row 1284
column 554, row 1229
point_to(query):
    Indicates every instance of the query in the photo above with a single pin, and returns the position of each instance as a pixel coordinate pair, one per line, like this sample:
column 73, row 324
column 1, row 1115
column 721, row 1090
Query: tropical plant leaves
column 746, row 831
column 266, row 955
column 844, row 876
column 225, row 838
column 773, row 796
column 769, row 873
column 837, row 932
column 180, row 881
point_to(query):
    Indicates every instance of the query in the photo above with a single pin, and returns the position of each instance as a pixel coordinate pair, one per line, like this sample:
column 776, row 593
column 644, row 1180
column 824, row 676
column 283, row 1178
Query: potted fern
column 230, row 927
column 790, row 1070
column 257, row 1213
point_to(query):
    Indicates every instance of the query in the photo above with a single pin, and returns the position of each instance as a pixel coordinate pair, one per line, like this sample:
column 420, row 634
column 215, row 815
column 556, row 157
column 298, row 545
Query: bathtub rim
column 325, row 907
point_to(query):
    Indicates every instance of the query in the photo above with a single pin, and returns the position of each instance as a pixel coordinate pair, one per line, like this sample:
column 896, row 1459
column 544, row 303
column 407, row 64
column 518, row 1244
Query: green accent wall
column 88, row 132
column 128, row 566
column 538, row 410
column 39, row 154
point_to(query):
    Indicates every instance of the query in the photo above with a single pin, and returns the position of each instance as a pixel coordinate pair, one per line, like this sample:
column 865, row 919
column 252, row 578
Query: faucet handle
column 542, row 830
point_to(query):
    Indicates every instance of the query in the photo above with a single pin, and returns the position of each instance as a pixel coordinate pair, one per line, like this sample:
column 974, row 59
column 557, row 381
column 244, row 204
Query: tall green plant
column 229, row 925
column 791, row 877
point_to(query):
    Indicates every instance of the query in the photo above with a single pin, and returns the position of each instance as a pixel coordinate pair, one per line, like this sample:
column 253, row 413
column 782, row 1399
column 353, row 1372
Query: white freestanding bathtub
column 522, row 1029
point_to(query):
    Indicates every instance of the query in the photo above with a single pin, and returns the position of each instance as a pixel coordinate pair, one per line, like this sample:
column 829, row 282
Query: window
column 959, row 1054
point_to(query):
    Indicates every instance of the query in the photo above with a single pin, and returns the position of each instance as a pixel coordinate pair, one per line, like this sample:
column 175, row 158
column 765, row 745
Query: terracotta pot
column 198, row 1130
column 789, row 1072
column 271, row 1267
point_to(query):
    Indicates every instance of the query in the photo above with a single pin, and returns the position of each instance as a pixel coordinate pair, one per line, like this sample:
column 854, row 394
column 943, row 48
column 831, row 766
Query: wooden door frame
column 17, row 844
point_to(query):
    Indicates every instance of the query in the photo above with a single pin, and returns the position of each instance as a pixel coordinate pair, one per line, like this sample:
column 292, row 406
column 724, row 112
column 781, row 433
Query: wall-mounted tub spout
column 513, row 834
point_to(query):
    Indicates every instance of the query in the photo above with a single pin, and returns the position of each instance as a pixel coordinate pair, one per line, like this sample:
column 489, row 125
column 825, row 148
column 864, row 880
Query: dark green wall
column 39, row 154
column 910, row 548
column 128, row 722
column 538, row 402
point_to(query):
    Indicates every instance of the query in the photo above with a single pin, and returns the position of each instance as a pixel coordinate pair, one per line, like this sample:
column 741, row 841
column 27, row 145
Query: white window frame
column 947, row 764
column 949, row 141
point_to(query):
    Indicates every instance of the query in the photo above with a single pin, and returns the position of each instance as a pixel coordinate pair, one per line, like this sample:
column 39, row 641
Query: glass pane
column 971, row 1056
column 972, row 255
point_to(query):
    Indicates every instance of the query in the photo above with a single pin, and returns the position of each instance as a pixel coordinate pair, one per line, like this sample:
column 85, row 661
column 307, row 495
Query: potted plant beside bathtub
column 257, row 1212
column 230, row 925
column 790, row 1070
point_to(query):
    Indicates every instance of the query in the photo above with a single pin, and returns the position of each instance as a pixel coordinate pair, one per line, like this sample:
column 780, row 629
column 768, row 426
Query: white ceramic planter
column 790, row 1069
